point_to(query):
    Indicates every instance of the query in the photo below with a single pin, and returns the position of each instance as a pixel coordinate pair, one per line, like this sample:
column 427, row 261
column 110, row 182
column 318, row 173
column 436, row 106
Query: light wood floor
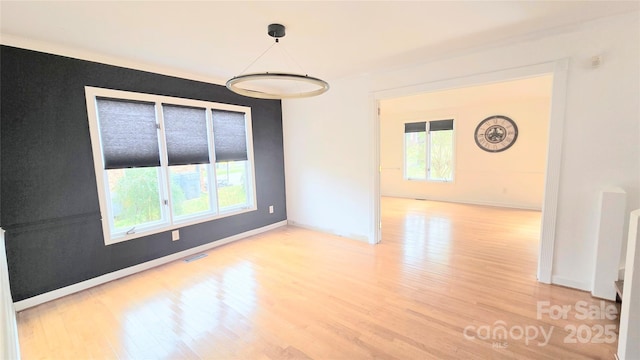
column 294, row 294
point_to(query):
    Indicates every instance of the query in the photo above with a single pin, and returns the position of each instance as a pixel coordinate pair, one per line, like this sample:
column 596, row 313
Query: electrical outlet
column 175, row 235
column 270, row 209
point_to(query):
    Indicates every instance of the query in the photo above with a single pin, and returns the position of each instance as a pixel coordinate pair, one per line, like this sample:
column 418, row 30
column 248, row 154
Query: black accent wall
column 48, row 195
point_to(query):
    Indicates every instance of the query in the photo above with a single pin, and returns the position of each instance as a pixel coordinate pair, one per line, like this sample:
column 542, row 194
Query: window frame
column 427, row 153
column 168, row 220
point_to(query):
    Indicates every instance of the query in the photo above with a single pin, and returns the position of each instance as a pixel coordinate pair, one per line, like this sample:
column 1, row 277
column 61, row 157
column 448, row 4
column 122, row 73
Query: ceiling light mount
column 282, row 85
column 276, row 31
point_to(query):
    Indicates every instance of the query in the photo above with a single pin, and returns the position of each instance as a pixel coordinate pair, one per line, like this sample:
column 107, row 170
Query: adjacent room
column 429, row 158
column 444, row 162
column 320, row 180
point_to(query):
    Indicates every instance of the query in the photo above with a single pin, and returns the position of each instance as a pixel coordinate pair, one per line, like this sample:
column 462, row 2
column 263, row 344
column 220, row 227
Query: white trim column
column 629, row 334
column 9, row 345
column 552, row 182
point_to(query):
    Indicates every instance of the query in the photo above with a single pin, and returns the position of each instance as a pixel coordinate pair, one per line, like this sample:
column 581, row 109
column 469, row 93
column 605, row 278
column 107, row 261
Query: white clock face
column 496, row 133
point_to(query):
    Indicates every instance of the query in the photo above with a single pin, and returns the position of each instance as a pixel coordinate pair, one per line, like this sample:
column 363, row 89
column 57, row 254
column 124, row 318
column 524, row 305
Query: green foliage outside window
column 441, row 153
column 416, row 147
column 231, row 183
column 136, row 197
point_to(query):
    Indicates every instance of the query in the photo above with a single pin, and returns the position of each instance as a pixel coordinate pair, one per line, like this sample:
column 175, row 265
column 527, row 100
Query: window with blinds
column 164, row 162
column 429, row 150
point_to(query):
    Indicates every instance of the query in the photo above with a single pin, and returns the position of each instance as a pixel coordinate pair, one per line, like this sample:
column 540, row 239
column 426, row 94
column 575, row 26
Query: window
column 428, row 150
column 415, row 148
column 164, row 162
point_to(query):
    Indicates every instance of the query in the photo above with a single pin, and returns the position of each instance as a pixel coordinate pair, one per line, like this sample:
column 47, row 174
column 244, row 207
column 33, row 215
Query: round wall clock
column 496, row 133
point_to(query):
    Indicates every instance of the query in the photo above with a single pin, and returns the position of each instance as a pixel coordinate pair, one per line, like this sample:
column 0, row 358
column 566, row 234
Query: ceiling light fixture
column 280, row 85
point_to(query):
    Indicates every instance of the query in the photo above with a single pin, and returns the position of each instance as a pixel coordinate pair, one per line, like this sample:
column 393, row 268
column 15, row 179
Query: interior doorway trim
column 559, row 69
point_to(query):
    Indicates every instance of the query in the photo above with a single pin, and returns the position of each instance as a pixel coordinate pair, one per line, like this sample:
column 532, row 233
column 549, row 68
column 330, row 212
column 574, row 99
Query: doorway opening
column 524, row 175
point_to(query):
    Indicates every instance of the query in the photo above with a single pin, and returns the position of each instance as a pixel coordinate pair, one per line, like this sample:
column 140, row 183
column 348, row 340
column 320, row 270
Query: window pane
column 441, row 155
column 189, row 189
column 135, row 197
column 415, row 155
column 232, row 184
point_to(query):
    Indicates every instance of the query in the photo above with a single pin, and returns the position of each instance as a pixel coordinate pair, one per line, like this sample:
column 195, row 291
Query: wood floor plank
column 443, row 276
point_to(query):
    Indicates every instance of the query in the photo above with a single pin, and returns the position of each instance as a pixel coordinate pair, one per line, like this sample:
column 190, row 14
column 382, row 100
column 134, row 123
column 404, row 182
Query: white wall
column 328, row 160
column 512, row 178
column 330, row 156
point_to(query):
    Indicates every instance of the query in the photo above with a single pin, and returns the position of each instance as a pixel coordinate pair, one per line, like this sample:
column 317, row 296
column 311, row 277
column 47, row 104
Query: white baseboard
column 67, row 290
column 471, row 202
column 558, row 280
column 329, row 231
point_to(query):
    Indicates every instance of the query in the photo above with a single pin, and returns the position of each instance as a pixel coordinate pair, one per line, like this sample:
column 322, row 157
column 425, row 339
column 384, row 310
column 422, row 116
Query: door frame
column 559, row 70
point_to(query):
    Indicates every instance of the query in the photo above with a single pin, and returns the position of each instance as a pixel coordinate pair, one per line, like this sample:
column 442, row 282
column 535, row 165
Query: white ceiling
column 328, row 39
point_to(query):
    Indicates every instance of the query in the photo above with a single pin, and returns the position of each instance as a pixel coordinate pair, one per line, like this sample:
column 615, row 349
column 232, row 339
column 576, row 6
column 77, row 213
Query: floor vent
column 194, row 257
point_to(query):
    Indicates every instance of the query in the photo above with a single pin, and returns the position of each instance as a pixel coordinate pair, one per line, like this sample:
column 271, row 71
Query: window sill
column 176, row 225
